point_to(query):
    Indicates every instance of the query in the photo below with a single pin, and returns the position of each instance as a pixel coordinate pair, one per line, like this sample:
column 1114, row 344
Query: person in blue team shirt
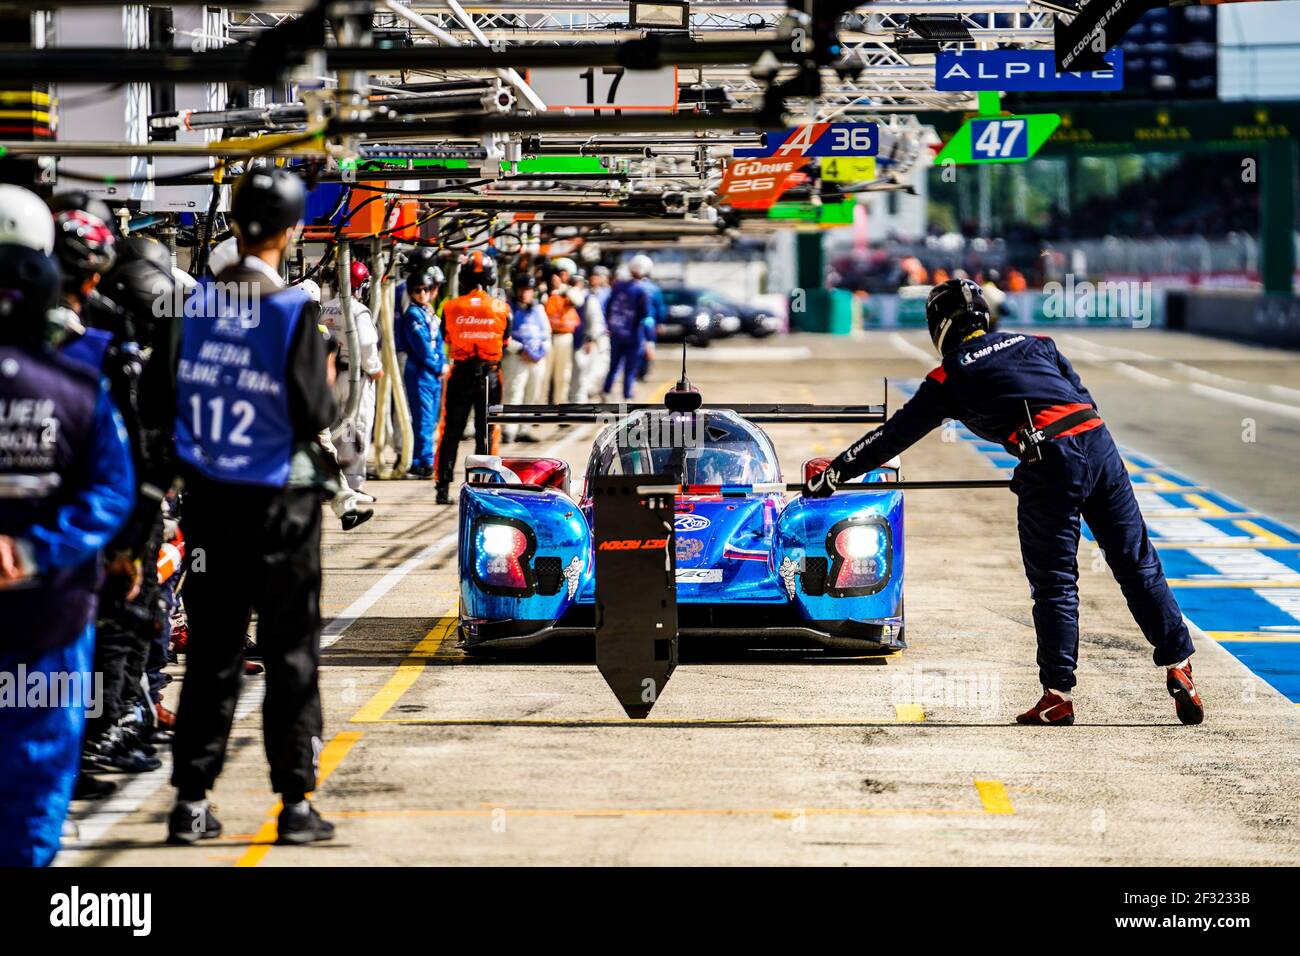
column 419, row 335
column 247, row 397
column 524, row 367
column 630, row 320
column 67, row 486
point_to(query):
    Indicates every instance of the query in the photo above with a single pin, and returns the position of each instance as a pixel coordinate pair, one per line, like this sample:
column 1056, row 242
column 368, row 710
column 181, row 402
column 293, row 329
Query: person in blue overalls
column 629, row 317
column 248, row 399
column 419, row 335
column 1018, row 390
column 66, row 487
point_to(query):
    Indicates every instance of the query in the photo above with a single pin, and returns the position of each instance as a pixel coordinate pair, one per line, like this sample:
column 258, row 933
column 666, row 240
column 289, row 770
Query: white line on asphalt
column 729, row 353
column 1283, row 392
column 1245, row 401
column 358, row 608
column 93, row 826
column 907, row 348
column 1142, row 375
column 1082, row 348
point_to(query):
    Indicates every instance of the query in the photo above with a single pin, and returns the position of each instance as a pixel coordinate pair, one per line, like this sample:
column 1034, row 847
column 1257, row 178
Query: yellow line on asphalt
column 1206, row 505
column 330, row 758
column 993, row 799
column 660, row 723
column 994, row 796
column 408, row 672
column 782, row 813
column 909, row 713
column 1251, row 528
column 1259, row 637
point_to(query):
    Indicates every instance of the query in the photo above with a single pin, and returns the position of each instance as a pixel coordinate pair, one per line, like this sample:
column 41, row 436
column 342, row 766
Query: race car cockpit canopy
column 711, row 446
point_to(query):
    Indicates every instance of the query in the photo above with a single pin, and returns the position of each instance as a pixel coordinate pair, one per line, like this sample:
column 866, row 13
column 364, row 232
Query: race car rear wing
column 758, row 412
column 772, row 487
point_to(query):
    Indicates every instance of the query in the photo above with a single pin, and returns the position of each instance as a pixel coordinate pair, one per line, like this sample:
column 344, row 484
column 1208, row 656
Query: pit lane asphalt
column 764, row 758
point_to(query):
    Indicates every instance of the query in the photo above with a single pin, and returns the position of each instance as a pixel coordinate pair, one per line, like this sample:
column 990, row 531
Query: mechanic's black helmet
column 79, row 200
column 267, row 200
column 145, row 290
column 428, row 278
column 524, row 280
column 142, row 247
column 478, row 271
column 421, row 258
column 29, row 288
column 953, row 310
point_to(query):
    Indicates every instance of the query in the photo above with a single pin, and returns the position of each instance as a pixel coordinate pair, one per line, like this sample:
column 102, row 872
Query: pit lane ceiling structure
column 878, row 66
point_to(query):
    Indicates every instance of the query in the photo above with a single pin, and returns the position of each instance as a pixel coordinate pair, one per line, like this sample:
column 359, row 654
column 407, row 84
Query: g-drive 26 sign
column 1017, row 70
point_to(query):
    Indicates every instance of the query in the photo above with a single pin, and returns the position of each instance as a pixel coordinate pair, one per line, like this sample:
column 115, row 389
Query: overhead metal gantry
column 447, row 78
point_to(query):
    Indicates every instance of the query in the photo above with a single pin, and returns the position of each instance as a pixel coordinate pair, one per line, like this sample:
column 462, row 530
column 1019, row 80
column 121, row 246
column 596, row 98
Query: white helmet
column 223, row 256
column 25, row 220
column 311, row 288
column 183, row 279
column 641, row 265
column 566, row 265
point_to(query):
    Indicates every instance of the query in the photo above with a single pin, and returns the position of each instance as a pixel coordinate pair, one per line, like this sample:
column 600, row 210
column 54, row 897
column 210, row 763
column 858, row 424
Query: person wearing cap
column 476, row 325
column 248, row 396
column 523, row 368
column 1019, row 391
column 66, row 488
column 563, row 315
column 355, row 434
column 418, row 334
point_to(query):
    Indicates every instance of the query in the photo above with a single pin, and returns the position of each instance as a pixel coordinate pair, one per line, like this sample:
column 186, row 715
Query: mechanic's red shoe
column 166, row 719
column 1181, row 688
column 1052, row 710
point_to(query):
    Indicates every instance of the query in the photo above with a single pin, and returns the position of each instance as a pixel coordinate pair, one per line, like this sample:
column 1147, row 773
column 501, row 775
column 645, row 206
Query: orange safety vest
column 564, row 317
column 476, row 324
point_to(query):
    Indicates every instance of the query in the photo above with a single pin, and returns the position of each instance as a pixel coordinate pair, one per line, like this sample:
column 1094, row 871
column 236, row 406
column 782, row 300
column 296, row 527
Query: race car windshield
column 709, row 449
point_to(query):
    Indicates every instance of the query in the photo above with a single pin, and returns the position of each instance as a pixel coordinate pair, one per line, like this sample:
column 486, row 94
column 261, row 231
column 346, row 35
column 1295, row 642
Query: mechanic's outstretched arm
column 923, row 412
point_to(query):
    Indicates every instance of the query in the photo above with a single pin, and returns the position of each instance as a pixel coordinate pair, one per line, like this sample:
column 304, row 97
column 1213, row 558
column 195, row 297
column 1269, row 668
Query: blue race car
column 749, row 562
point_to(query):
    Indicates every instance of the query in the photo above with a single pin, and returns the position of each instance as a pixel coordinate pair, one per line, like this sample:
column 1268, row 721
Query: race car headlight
column 860, row 550
column 503, row 552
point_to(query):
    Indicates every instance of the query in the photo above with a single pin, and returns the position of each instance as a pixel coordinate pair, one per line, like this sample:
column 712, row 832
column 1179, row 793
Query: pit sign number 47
column 999, row 139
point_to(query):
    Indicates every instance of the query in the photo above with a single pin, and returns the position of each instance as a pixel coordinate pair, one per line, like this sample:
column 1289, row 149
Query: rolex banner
column 1099, row 26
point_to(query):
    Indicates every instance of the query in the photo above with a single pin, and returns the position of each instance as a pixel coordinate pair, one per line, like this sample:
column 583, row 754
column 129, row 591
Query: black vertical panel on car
column 636, row 588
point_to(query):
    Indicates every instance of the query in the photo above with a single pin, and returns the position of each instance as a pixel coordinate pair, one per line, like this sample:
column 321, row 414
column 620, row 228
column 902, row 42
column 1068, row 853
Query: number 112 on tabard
column 604, row 89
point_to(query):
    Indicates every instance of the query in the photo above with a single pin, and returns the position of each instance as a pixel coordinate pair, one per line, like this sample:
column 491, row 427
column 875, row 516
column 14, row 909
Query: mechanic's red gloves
column 822, row 484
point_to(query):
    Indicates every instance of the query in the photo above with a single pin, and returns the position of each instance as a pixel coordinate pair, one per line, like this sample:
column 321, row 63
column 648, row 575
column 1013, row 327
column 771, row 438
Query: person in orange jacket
column 475, row 326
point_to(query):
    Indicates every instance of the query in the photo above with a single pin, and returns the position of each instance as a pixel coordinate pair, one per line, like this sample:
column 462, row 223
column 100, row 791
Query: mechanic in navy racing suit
column 67, row 486
column 1069, row 468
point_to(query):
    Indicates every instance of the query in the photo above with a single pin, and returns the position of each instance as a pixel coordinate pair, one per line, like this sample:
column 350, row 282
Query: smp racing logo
column 973, row 356
column 686, row 523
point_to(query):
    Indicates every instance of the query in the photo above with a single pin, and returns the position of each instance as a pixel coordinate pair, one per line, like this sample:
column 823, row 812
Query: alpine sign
column 1020, row 70
column 818, row 140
